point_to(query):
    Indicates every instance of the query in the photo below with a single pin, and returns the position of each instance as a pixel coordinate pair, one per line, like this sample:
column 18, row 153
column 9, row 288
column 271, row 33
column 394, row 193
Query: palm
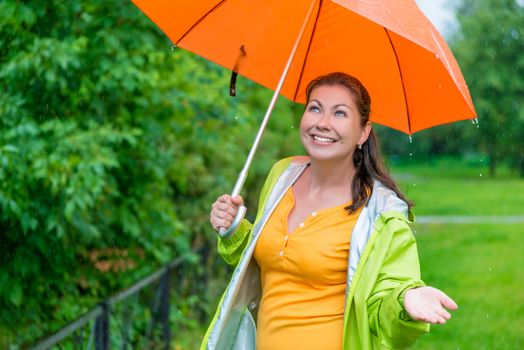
column 428, row 304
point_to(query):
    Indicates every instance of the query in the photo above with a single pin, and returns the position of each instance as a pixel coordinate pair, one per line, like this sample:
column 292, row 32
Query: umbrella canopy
column 412, row 77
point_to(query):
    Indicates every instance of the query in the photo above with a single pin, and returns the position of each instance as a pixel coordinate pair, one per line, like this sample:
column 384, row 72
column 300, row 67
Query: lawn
column 449, row 188
column 481, row 267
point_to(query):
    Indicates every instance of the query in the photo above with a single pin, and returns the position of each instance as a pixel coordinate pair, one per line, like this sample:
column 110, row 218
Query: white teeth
column 323, row 139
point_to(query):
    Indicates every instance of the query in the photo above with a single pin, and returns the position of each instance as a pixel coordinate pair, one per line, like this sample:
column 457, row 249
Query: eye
column 314, row 108
column 341, row 113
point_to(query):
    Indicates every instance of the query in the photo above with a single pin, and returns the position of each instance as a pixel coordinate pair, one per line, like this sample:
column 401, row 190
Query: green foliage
column 110, row 142
column 487, row 46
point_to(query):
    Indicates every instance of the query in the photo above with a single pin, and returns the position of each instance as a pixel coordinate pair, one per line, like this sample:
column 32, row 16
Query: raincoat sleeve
column 231, row 248
column 400, row 271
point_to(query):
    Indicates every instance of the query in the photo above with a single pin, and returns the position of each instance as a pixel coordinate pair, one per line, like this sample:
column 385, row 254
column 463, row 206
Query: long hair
column 368, row 160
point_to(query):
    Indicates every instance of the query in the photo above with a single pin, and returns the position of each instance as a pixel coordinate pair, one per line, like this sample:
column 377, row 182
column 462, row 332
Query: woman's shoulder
column 384, row 200
column 288, row 162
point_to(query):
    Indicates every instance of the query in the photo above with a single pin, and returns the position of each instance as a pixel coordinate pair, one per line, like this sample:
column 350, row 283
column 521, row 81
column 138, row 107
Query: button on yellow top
column 303, row 278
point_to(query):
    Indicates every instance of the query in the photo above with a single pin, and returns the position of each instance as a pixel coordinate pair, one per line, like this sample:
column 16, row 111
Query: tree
column 109, row 141
column 489, row 46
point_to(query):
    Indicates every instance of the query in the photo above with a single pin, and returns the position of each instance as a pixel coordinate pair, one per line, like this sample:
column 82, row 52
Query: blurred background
column 113, row 145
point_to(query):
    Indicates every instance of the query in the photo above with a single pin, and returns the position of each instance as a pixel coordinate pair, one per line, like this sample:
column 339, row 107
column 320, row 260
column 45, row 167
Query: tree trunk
column 492, row 165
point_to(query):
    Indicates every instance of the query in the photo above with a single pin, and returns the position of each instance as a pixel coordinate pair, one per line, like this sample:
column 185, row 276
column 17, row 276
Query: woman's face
column 330, row 127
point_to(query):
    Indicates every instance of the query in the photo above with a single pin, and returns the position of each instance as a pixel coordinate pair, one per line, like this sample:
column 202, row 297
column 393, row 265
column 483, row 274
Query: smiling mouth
column 323, row 139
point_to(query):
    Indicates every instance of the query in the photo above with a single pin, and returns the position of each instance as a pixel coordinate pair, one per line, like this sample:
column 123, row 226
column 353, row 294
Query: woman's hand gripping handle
column 226, row 214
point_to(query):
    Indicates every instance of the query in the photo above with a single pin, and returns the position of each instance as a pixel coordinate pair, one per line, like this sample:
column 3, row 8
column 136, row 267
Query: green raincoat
column 383, row 263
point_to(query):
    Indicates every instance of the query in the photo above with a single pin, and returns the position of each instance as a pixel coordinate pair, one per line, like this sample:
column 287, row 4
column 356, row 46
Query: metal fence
column 100, row 332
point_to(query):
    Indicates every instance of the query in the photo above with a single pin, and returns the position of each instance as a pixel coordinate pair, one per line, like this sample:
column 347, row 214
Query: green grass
column 482, row 268
column 451, row 188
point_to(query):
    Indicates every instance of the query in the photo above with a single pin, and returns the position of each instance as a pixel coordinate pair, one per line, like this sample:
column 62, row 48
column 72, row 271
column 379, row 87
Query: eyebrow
column 335, row 106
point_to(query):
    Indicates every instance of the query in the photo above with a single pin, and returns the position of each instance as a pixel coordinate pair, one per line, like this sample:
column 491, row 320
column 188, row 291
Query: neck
column 331, row 174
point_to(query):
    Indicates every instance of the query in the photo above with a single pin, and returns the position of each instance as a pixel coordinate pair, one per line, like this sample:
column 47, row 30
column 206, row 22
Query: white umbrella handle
column 243, row 174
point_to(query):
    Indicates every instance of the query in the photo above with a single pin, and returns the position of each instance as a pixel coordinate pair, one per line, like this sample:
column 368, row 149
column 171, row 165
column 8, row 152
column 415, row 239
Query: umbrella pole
column 243, row 174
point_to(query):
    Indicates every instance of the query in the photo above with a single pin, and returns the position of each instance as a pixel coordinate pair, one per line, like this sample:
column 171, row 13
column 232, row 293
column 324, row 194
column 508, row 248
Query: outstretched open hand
column 428, row 304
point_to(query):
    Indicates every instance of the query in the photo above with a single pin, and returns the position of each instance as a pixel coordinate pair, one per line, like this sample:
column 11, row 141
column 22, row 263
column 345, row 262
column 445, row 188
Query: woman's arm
column 231, row 249
column 399, row 272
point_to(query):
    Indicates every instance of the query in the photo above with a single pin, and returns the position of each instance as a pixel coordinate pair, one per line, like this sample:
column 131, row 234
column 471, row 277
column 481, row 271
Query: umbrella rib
column 198, row 22
column 401, row 79
column 307, row 51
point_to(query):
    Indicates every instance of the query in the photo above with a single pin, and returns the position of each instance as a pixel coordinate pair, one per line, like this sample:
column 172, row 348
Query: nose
column 324, row 123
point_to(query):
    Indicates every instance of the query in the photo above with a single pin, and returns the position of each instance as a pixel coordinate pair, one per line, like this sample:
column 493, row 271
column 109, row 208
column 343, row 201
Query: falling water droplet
column 487, row 315
column 473, row 121
column 173, row 47
column 410, row 139
column 478, row 126
column 490, row 269
column 236, row 117
column 410, row 154
column 480, row 174
column 414, row 185
column 292, row 127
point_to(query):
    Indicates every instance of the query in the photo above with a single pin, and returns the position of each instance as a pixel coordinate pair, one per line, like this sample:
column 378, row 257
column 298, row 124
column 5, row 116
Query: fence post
column 102, row 328
column 164, row 307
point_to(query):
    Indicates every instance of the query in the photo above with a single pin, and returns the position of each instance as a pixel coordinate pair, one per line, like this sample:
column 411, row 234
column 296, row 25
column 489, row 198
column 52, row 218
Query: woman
column 330, row 262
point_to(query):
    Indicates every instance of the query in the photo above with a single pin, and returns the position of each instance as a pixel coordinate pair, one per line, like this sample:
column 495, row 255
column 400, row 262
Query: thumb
column 237, row 200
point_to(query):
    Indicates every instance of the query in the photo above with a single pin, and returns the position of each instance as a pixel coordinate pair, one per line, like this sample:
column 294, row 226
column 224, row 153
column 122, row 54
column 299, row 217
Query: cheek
column 304, row 125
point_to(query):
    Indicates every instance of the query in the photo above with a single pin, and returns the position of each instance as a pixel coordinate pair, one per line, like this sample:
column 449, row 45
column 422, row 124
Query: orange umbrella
column 396, row 52
column 412, row 77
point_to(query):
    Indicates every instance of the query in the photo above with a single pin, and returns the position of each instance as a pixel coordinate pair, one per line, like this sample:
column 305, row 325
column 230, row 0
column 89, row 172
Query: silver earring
column 360, row 146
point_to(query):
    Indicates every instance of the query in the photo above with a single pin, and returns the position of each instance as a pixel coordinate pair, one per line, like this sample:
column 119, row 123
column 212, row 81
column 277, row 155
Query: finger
column 435, row 319
column 217, row 215
column 225, row 198
column 228, row 208
column 447, row 302
column 440, row 320
column 224, row 215
column 444, row 314
column 222, row 223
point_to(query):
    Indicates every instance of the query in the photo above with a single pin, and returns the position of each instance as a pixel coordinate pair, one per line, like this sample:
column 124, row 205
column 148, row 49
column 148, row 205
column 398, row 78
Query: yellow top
column 303, row 276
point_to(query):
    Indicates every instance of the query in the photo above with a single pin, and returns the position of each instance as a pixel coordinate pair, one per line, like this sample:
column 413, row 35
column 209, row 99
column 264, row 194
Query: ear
column 366, row 130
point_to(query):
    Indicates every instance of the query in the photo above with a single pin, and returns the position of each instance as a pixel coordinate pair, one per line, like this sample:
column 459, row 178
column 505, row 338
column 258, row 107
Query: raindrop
column 490, row 269
column 236, row 117
column 410, row 139
column 411, row 154
column 487, row 315
column 173, row 48
column 414, row 185
column 480, row 174
column 292, row 127
column 439, row 86
column 478, row 126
